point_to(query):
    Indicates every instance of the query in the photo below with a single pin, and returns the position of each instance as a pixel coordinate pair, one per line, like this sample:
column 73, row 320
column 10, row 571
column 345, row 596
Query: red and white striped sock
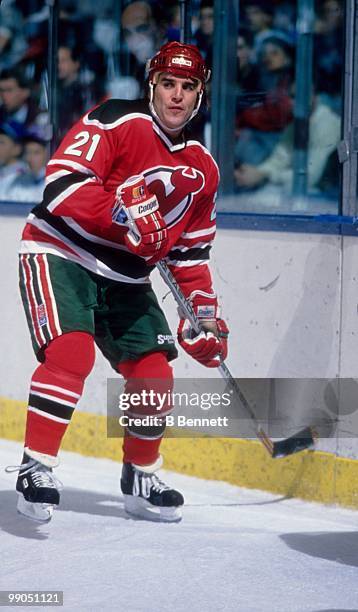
column 137, row 448
column 56, row 387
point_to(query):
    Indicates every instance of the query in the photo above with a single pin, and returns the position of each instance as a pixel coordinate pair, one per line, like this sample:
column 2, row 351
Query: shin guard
column 56, row 387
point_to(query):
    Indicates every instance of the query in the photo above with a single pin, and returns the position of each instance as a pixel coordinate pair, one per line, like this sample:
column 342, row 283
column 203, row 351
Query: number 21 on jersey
column 81, row 146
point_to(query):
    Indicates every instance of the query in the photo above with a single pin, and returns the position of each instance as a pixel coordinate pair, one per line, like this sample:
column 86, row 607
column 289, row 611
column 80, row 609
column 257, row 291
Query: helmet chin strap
column 157, row 118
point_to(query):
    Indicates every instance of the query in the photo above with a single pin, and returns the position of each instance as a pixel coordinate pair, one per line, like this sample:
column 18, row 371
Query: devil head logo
column 175, row 189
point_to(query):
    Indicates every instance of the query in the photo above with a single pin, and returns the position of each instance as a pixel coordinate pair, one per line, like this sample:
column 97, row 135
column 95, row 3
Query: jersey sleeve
column 188, row 258
column 76, row 174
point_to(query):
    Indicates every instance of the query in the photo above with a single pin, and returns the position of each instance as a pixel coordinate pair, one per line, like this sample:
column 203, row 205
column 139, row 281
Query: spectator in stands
column 35, row 15
column 204, row 35
column 29, row 186
column 11, row 165
column 259, row 17
column 277, row 170
column 277, row 62
column 285, row 17
column 12, row 41
column 17, row 103
column 329, row 53
column 330, row 17
column 264, row 102
column 171, row 31
column 74, row 94
column 140, row 36
column 139, row 30
column 248, row 75
column 91, row 8
column 77, row 31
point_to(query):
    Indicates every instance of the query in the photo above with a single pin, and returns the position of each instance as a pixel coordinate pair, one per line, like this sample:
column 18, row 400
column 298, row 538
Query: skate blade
column 41, row 513
column 137, row 506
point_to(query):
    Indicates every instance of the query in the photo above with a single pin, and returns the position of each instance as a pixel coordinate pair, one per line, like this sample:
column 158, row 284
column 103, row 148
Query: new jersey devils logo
column 174, row 188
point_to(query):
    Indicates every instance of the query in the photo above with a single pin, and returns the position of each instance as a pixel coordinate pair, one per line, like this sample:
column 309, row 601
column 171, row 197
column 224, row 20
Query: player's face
column 175, row 99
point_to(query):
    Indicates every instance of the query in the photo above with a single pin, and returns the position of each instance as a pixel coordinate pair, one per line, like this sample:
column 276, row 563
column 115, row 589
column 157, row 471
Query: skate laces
column 40, row 474
column 144, row 483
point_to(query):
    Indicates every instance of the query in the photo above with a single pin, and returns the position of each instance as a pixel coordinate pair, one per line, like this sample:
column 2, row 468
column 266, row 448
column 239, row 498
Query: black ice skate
column 146, row 496
column 37, row 487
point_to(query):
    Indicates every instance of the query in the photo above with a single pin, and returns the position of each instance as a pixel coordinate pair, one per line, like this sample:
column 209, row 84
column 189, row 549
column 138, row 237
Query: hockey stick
column 302, row 440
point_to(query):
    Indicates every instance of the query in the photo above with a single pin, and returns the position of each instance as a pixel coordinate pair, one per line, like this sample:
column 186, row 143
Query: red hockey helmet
column 179, row 59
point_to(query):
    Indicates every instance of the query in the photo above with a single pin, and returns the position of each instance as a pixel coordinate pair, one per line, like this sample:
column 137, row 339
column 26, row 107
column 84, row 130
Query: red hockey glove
column 210, row 346
column 147, row 234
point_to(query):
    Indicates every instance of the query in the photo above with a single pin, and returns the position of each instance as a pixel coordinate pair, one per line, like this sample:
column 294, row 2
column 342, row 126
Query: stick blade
column 302, row 440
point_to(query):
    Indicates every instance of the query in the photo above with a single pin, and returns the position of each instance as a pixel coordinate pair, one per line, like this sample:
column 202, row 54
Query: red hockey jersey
column 112, row 143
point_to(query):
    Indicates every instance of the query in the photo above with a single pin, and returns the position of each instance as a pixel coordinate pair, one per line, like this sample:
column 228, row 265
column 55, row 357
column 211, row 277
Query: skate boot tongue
column 147, row 496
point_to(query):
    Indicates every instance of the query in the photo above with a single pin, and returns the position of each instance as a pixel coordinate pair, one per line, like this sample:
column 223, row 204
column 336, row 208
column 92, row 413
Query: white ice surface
column 235, row 549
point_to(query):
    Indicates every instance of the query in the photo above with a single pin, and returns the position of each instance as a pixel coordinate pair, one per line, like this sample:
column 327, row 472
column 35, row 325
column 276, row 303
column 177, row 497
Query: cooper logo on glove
column 138, row 209
column 136, row 198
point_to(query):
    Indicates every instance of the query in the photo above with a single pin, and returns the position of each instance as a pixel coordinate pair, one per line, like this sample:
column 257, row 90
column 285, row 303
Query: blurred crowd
column 102, row 51
column 266, row 81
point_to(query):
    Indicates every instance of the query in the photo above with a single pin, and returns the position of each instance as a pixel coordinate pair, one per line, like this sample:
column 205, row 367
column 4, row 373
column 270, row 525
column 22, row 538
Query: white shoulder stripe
column 114, row 124
column 72, row 164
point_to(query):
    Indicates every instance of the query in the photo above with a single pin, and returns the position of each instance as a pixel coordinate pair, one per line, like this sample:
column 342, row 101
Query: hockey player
column 124, row 189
